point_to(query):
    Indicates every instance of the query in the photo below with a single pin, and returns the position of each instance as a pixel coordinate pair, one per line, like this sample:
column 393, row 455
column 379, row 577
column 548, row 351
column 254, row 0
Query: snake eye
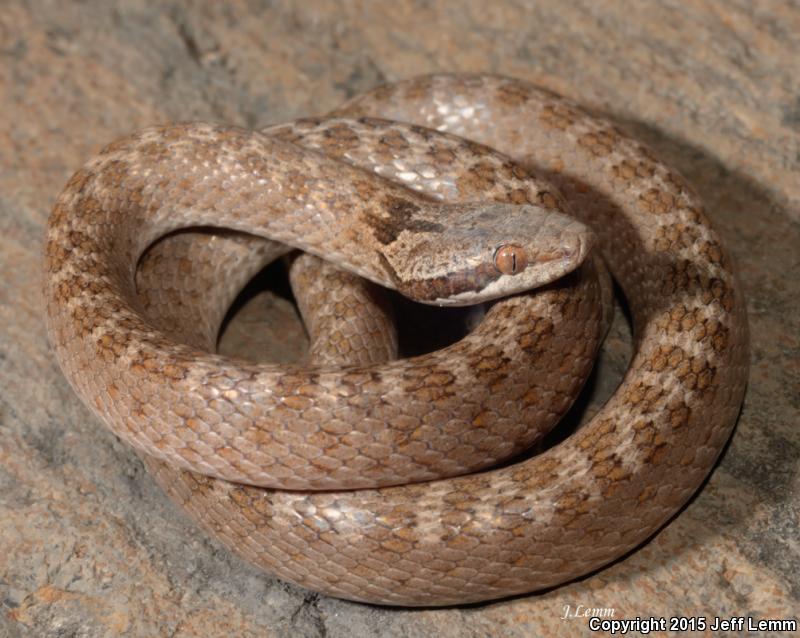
column 510, row 259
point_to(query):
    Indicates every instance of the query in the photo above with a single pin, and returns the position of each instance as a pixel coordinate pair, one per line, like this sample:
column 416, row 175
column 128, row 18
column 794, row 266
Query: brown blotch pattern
column 559, row 115
column 399, row 217
column 600, row 143
column 656, row 201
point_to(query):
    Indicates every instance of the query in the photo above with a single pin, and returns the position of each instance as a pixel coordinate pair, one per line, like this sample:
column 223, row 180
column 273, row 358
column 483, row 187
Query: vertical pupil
column 510, row 259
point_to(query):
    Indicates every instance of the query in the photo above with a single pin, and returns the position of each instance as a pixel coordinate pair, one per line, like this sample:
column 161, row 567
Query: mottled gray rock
column 90, row 547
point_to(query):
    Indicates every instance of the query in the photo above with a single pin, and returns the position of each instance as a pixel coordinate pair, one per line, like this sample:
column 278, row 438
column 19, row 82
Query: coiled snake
column 465, row 225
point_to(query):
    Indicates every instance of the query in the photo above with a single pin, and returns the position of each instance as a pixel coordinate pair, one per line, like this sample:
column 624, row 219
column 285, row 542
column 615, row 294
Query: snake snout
column 582, row 245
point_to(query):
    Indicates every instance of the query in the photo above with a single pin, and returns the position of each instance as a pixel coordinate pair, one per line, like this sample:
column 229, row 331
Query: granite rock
column 90, row 546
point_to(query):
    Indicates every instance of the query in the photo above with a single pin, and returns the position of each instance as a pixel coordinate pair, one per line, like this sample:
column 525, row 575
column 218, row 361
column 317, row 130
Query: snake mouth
column 453, row 288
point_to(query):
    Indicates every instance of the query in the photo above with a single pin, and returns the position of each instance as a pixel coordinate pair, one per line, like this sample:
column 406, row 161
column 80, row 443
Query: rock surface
column 90, row 547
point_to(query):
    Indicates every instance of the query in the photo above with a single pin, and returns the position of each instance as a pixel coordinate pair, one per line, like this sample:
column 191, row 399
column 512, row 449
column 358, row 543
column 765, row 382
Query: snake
column 372, row 481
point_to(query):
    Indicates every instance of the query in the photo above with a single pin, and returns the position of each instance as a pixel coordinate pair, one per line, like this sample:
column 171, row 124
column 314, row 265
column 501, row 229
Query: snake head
column 481, row 252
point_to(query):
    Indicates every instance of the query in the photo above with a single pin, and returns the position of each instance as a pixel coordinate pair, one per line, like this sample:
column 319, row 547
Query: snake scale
column 392, row 444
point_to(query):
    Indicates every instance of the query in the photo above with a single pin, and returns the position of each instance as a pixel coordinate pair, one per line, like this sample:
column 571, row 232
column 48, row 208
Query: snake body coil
column 376, row 427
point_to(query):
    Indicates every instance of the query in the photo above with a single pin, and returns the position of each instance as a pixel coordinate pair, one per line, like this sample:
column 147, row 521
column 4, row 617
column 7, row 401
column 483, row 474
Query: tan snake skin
column 528, row 526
